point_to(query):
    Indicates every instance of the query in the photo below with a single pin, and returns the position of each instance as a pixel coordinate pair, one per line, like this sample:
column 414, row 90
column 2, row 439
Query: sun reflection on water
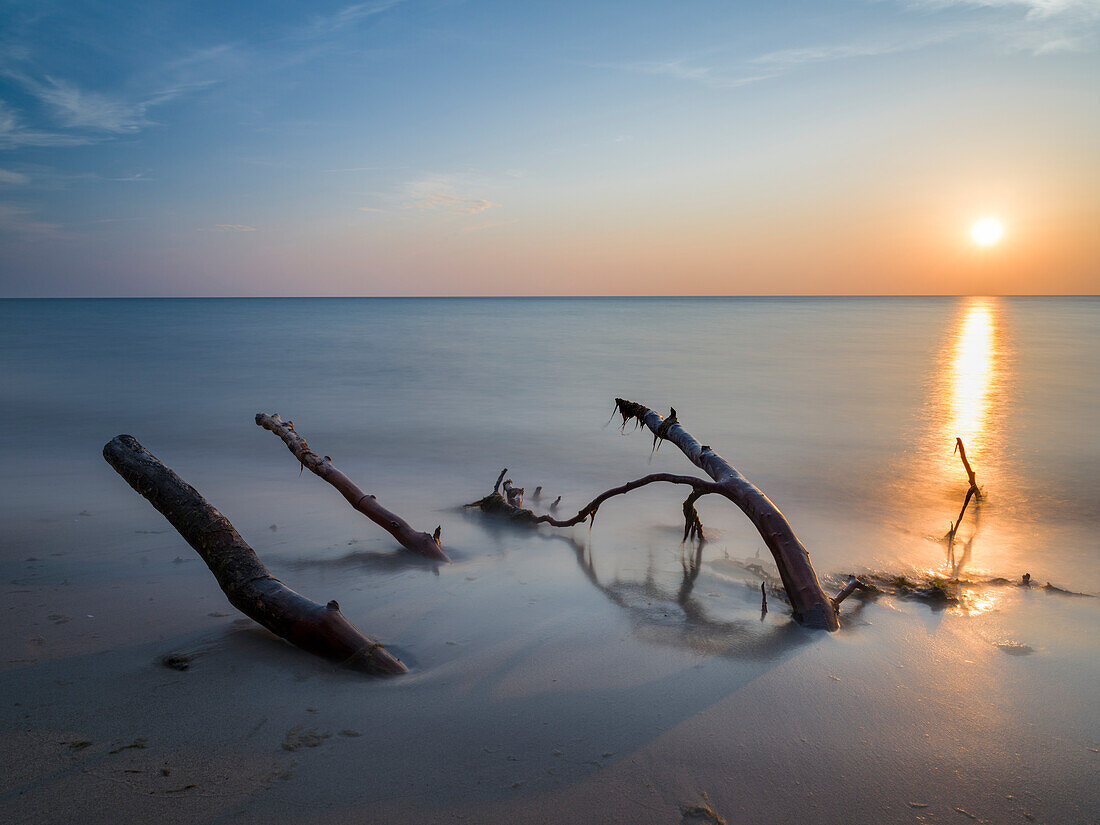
column 970, row 375
column 973, row 601
column 966, row 400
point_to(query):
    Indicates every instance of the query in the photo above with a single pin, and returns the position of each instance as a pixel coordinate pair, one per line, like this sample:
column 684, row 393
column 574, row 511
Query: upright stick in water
column 966, row 466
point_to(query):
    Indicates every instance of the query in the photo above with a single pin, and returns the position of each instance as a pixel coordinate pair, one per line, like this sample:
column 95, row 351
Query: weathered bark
column 247, row 584
column 808, row 600
column 423, row 543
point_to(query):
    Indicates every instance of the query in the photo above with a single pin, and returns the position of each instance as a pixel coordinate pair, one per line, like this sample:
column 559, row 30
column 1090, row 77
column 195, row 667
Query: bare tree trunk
column 423, row 543
column 249, row 586
column 811, row 606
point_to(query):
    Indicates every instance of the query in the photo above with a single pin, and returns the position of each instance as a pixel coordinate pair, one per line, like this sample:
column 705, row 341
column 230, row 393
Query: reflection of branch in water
column 365, row 561
column 647, row 601
column 956, row 566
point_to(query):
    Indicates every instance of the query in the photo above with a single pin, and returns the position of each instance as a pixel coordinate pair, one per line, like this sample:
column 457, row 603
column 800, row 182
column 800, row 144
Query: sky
column 448, row 147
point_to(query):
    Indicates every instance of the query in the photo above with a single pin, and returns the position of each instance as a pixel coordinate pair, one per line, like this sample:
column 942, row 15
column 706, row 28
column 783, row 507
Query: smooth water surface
column 844, row 411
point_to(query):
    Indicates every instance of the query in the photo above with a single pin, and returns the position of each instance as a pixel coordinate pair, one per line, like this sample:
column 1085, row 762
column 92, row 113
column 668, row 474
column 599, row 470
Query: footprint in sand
column 300, row 736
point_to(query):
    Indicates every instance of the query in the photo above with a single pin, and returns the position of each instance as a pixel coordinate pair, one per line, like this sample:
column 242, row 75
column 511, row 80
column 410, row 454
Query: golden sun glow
column 987, row 231
column 971, row 372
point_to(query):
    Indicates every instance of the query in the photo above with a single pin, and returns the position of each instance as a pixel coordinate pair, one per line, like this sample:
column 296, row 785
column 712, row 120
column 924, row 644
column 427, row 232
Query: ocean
column 843, row 410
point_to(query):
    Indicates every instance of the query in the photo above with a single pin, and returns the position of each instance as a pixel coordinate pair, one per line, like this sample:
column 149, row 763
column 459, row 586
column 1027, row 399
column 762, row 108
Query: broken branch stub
column 247, row 584
column 810, row 604
column 423, row 543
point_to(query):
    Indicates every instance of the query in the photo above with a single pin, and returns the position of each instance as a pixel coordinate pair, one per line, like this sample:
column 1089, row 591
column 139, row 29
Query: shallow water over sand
column 844, row 411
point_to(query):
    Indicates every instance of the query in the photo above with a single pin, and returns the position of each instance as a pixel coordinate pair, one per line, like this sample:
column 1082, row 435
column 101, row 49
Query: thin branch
column 410, row 539
column 699, row 485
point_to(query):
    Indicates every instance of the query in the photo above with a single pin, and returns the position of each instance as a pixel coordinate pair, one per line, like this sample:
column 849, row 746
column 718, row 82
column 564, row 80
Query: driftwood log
column 809, row 603
column 319, row 629
column 423, row 543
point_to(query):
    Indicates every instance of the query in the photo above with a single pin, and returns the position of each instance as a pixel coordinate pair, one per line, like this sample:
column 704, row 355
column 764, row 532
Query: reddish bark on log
column 247, row 584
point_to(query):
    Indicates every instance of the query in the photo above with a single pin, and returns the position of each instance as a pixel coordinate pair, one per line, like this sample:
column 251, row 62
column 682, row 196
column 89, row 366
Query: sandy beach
column 575, row 710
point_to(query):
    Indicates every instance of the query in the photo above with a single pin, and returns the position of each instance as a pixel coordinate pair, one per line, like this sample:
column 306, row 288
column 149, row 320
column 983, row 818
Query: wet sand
column 549, row 684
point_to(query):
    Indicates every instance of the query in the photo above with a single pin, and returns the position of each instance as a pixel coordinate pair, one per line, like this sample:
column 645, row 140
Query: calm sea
column 844, row 411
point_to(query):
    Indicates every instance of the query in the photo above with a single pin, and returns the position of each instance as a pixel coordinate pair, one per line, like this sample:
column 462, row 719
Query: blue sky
column 413, row 147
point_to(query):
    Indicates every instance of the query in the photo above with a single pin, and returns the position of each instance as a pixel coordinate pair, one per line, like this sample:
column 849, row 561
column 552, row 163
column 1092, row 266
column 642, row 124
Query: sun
column 987, row 231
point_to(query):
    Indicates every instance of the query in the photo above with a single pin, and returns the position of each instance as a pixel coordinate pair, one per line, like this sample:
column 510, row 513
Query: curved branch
column 699, row 486
column 811, row 605
column 423, row 543
column 247, row 584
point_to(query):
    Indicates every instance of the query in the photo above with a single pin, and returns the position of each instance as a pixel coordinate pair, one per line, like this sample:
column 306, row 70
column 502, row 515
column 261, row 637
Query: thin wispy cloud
column 446, row 202
column 227, row 227
column 1037, row 26
column 709, row 76
column 14, row 134
column 790, row 58
column 1035, row 9
column 447, row 195
column 324, row 25
column 11, row 178
column 93, row 111
column 18, row 220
